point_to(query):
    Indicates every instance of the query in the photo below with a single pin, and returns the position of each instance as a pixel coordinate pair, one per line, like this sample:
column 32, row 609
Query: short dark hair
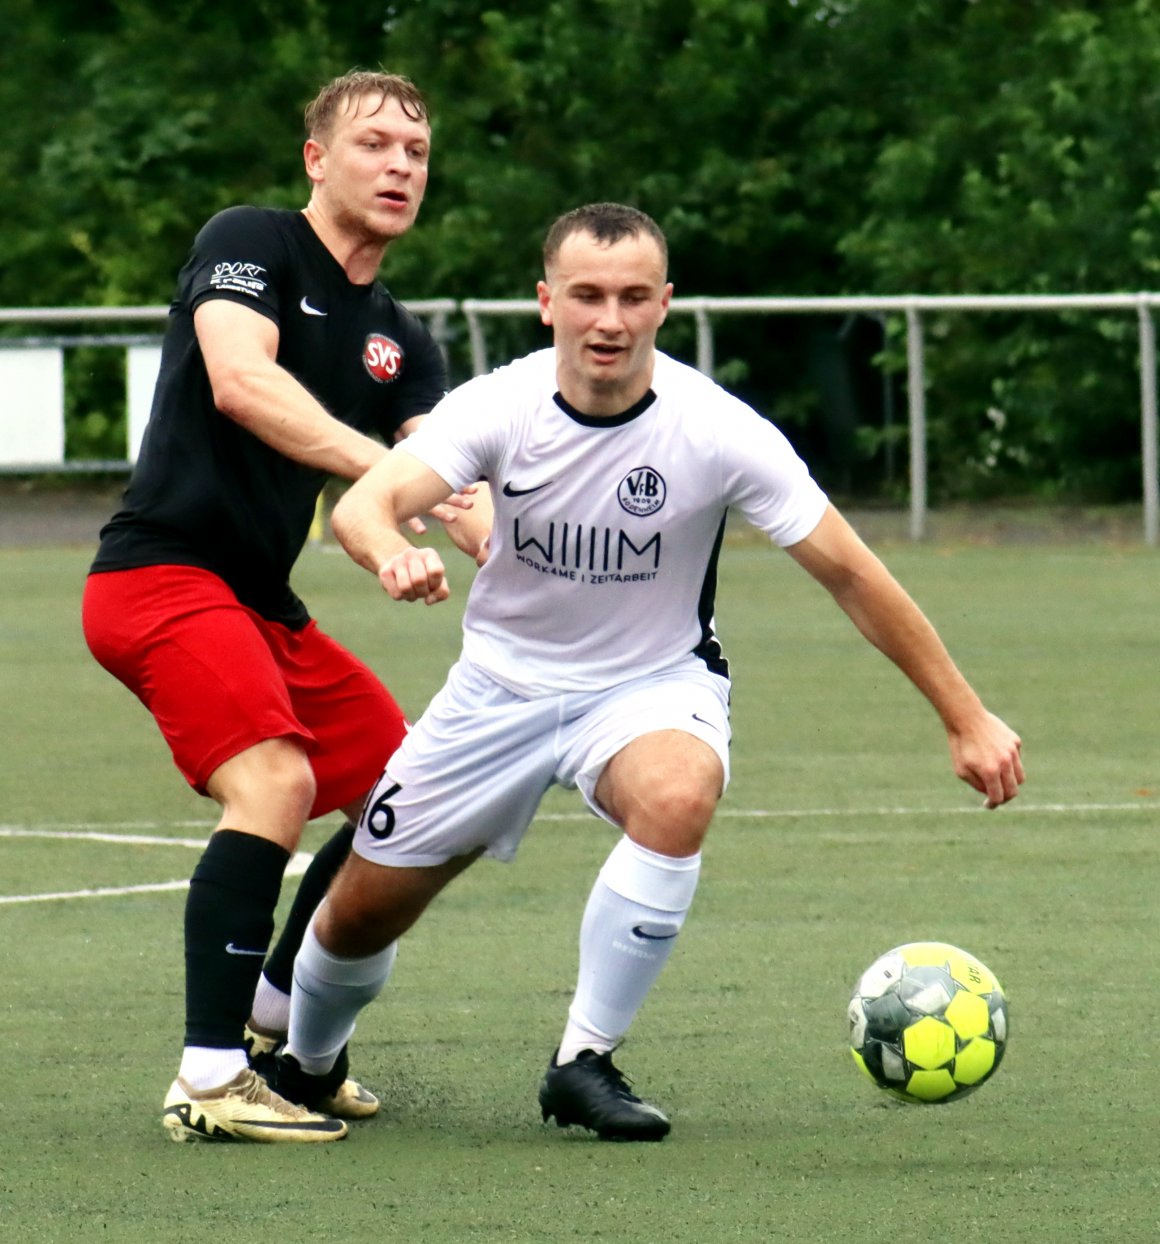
column 336, row 95
column 607, row 223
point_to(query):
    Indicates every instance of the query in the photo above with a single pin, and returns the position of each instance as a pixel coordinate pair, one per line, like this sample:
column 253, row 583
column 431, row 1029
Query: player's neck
column 359, row 257
column 601, row 401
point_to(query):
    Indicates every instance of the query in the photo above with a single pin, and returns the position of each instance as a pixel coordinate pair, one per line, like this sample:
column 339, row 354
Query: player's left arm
column 986, row 753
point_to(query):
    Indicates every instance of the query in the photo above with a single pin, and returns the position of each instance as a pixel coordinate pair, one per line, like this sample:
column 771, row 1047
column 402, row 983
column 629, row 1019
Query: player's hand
column 447, row 512
column 989, row 758
column 415, row 574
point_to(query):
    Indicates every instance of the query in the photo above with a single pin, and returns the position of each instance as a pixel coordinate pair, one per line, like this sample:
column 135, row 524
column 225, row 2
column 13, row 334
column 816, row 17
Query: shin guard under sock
column 229, row 919
column 279, row 969
column 633, row 916
column 329, row 992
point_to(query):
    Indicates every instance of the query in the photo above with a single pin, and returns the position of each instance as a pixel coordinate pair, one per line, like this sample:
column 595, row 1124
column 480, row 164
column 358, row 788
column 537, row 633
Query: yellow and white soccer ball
column 928, row 1022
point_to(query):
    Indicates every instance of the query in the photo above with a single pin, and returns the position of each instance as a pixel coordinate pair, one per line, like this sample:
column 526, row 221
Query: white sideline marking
column 298, row 865
column 108, row 892
column 81, row 833
column 295, row 868
column 1143, row 805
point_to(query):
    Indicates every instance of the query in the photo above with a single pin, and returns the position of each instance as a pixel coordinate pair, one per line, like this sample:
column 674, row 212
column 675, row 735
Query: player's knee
column 677, row 817
column 290, row 785
column 689, row 802
column 270, row 789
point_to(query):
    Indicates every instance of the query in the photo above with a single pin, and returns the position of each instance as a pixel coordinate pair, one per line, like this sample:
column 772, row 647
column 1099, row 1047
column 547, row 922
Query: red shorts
column 219, row 678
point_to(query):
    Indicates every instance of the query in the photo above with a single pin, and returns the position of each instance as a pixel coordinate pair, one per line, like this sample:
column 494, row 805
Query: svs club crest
column 641, row 492
column 383, row 358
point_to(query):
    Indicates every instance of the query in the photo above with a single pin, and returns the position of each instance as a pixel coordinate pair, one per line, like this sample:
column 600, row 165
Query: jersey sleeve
column 459, row 440
column 764, row 479
column 237, row 255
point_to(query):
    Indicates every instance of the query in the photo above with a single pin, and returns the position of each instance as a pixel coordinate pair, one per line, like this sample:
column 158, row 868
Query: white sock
column 270, row 1010
column 205, row 1068
column 634, row 913
column 327, row 995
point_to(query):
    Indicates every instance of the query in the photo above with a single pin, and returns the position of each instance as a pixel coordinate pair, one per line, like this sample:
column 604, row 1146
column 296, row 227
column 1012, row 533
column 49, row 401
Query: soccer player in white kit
column 589, row 656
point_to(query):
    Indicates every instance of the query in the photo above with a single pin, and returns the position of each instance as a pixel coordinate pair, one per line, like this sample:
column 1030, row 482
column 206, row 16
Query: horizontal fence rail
column 476, row 311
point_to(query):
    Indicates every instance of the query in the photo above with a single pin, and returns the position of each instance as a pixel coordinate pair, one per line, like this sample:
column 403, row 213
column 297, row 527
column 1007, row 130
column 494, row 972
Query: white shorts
column 473, row 769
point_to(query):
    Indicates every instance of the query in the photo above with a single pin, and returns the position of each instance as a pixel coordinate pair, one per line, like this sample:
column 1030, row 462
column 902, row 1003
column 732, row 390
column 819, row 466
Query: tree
column 1020, row 157
column 786, row 146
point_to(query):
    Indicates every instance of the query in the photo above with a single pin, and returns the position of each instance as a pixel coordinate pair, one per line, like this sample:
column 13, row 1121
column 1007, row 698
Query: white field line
column 93, row 833
column 793, row 814
column 83, row 833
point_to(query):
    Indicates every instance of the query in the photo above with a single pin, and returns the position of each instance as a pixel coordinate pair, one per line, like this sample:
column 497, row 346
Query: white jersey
column 607, row 530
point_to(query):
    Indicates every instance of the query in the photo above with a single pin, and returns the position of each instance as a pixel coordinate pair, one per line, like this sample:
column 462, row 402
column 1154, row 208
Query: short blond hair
column 335, row 96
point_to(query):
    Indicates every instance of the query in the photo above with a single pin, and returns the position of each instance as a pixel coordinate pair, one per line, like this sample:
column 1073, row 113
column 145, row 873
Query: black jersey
column 205, row 492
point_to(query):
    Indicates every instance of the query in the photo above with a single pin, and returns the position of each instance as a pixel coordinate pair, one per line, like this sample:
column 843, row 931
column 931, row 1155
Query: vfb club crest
column 383, row 358
column 641, row 492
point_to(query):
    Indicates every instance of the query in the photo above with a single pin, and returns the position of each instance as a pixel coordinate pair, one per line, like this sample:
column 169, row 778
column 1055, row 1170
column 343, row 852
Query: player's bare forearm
column 985, row 752
column 885, row 614
column 277, row 410
column 368, row 522
column 240, row 350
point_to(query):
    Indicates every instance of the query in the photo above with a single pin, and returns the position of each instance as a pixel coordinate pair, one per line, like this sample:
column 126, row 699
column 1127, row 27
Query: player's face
column 605, row 304
column 371, row 173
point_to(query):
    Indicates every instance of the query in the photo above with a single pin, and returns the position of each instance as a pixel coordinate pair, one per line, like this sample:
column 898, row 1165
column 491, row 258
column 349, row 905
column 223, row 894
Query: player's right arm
column 368, row 522
column 240, row 346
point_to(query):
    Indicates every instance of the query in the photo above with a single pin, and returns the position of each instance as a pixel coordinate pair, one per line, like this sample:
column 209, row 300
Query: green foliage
column 94, row 404
column 1020, row 157
column 162, row 116
column 786, row 146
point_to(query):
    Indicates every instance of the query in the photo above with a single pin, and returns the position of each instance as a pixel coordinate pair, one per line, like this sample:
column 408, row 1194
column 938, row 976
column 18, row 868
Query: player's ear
column 313, row 157
column 544, row 294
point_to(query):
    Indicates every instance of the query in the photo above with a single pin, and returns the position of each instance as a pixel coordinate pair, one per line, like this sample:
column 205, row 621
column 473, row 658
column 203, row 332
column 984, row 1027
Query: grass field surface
column 844, row 833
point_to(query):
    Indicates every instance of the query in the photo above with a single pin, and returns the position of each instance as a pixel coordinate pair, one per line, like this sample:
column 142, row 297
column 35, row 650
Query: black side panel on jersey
column 709, row 648
column 205, row 492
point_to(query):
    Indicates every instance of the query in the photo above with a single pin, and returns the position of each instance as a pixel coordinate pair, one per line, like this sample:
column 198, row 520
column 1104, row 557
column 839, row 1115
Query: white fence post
column 705, row 360
column 916, row 397
column 1148, row 420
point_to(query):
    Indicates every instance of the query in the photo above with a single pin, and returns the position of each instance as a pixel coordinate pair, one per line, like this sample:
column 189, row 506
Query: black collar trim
column 610, row 421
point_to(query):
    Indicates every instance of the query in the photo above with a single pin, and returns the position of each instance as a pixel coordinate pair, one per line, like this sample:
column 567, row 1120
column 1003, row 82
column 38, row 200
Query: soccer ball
column 928, row 1022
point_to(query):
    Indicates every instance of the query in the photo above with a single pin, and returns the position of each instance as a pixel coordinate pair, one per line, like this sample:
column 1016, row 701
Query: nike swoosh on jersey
column 638, row 931
column 509, row 491
column 703, row 722
column 305, row 306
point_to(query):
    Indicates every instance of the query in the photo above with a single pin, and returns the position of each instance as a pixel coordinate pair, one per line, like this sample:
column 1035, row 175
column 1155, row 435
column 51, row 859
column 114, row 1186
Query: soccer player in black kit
column 285, row 361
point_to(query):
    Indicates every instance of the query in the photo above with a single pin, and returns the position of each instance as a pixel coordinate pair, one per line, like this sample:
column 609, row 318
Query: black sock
column 279, row 969
column 229, row 919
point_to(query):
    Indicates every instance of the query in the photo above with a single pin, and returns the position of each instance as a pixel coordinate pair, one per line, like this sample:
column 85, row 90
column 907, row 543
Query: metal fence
column 476, row 312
